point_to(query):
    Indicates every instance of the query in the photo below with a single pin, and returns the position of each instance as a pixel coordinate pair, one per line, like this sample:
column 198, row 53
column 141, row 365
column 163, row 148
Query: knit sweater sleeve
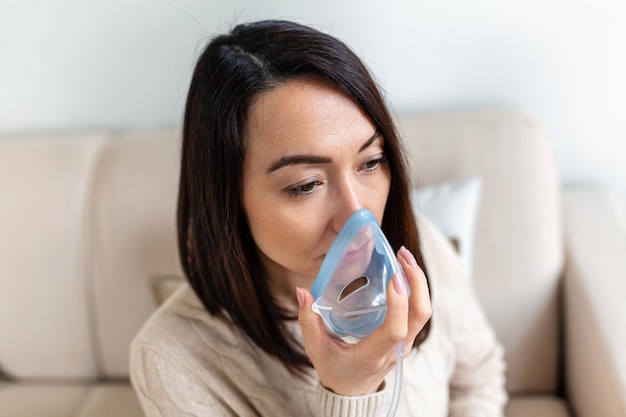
column 167, row 387
column 477, row 383
column 333, row 405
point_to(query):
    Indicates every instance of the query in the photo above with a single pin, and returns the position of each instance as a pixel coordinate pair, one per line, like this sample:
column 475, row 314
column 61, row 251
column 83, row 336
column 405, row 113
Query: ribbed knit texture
column 342, row 406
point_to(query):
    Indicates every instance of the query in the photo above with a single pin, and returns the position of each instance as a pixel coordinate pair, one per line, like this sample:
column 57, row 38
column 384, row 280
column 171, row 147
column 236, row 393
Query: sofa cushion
column 518, row 251
column 41, row 400
column 110, row 399
column 133, row 238
column 38, row 399
column 44, row 319
column 594, row 288
column 536, row 406
column 87, row 220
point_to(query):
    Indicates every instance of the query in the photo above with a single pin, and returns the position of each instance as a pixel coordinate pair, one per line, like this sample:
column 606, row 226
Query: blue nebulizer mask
column 350, row 290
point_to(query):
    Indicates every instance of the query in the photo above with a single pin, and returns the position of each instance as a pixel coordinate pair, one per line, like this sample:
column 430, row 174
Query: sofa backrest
column 133, row 238
column 518, row 254
column 86, row 225
column 45, row 183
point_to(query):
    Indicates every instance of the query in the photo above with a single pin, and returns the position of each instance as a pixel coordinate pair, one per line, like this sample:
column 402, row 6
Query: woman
column 285, row 136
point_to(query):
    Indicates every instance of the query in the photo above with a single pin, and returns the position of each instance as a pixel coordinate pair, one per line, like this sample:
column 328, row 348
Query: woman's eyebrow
column 370, row 141
column 314, row 159
column 298, row 159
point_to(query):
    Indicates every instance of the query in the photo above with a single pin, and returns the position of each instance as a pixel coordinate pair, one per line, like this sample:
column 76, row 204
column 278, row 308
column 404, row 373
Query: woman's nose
column 348, row 200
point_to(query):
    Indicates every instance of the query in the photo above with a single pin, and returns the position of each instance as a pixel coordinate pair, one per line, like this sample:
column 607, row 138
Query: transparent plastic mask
column 350, row 289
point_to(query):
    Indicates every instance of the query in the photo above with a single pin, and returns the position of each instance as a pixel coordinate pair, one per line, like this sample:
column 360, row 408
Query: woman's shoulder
column 182, row 326
column 439, row 255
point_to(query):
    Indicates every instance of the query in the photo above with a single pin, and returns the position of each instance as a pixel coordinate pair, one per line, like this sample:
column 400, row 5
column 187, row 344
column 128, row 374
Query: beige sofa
column 87, row 252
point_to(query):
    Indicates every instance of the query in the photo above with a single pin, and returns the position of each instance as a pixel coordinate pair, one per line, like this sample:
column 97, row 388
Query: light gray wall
column 84, row 64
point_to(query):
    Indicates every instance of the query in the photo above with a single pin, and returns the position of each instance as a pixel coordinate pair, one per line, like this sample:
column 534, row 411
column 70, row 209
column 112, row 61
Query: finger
column 420, row 308
column 395, row 326
column 310, row 322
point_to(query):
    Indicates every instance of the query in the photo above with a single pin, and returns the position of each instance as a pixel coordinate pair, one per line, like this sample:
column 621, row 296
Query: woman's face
column 312, row 159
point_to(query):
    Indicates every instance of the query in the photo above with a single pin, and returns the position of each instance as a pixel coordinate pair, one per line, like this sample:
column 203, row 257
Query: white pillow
column 452, row 207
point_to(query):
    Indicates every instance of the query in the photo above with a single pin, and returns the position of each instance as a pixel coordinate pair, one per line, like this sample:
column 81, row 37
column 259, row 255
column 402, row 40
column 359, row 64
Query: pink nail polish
column 300, row 297
column 398, row 285
column 408, row 257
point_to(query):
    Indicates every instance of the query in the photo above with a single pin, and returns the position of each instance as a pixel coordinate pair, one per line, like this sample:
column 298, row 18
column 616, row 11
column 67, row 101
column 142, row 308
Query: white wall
column 82, row 64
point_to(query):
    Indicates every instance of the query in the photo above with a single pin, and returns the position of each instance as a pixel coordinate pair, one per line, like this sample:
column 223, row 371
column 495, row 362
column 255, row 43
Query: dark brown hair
column 216, row 248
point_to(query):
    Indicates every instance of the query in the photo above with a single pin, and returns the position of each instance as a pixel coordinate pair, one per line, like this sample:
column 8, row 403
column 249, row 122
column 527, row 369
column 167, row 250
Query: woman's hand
column 359, row 369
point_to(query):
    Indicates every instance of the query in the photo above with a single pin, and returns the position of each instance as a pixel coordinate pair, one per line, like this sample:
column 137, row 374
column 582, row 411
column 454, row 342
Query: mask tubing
column 397, row 387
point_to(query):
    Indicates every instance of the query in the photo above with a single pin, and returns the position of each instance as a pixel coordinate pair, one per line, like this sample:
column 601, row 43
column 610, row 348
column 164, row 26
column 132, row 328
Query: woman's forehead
column 299, row 111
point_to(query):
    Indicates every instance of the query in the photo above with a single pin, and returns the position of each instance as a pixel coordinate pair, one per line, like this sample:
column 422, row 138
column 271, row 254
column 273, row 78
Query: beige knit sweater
column 185, row 362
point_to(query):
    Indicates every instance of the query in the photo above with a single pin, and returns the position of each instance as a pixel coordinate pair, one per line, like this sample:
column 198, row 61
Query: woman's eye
column 374, row 164
column 303, row 189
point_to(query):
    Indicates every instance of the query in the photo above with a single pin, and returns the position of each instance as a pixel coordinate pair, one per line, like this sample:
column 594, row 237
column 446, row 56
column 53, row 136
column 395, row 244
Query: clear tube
column 397, row 387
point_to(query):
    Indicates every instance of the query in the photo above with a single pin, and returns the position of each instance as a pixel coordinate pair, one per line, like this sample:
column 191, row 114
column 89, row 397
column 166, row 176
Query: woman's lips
column 359, row 245
column 357, row 253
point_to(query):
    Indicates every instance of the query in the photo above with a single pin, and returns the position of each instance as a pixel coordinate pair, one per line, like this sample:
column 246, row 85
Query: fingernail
column 300, row 297
column 408, row 257
column 398, row 285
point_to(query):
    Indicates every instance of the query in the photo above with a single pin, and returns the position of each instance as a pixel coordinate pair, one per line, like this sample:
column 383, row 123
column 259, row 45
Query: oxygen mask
column 350, row 290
